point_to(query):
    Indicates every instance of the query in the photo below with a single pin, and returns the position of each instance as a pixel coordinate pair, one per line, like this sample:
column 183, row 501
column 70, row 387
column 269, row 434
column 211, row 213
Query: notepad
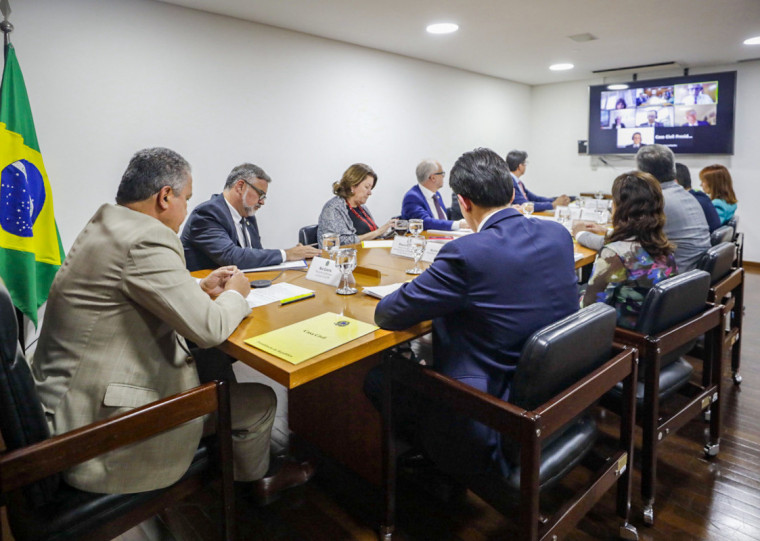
column 381, row 291
column 301, row 341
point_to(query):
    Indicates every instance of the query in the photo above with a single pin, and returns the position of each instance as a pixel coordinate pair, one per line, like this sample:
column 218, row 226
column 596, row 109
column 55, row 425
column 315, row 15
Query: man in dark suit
column 517, row 161
column 683, row 177
column 223, row 230
column 486, row 293
column 636, row 138
column 691, row 119
column 423, row 201
column 651, row 121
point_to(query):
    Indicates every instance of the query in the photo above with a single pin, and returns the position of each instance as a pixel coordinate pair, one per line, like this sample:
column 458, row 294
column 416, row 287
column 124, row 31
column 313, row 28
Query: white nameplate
column 431, row 250
column 402, row 246
column 324, row 271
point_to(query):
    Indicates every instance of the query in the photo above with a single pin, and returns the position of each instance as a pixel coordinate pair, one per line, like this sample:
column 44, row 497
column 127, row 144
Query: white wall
column 108, row 78
column 560, row 118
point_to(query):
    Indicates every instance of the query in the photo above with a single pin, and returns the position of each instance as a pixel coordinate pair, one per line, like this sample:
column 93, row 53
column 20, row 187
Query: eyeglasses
column 262, row 194
column 442, row 173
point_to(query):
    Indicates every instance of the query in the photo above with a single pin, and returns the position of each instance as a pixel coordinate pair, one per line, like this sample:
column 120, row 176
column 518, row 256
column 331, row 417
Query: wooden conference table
column 326, row 404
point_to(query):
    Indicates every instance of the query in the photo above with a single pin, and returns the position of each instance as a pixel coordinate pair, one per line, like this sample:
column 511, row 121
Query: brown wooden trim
column 751, row 266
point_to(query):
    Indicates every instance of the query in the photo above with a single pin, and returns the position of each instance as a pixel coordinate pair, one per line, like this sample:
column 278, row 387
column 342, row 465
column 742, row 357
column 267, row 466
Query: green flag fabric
column 30, row 246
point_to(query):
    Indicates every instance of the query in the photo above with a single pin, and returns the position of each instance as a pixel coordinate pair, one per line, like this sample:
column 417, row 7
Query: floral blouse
column 623, row 274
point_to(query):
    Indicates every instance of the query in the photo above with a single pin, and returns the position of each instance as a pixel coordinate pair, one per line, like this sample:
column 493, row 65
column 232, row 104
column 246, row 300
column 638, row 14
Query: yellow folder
column 306, row 339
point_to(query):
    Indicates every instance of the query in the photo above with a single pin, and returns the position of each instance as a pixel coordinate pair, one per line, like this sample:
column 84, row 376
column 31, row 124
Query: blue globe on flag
column 22, row 196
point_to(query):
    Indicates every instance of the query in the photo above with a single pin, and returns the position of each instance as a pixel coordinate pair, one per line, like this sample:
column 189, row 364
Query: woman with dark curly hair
column 638, row 255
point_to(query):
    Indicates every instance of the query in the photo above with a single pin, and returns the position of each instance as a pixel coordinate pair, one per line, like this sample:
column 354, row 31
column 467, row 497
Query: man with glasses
column 424, row 202
column 223, row 230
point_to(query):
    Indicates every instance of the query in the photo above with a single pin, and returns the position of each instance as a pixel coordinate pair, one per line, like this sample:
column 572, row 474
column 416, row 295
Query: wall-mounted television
column 691, row 115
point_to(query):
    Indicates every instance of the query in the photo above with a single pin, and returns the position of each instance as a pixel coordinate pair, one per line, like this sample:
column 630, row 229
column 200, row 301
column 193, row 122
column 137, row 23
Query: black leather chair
column 674, row 315
column 724, row 233
column 727, row 288
column 738, row 239
column 545, row 425
column 42, row 507
column 307, row 234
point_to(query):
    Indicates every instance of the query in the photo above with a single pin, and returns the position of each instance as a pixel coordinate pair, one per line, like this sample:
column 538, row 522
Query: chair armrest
column 727, row 284
column 34, row 462
column 573, row 401
column 483, row 407
column 675, row 336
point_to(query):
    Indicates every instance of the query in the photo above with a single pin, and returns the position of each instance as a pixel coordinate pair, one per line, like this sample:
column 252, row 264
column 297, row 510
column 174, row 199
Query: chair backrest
column 718, row 260
column 724, row 233
column 22, row 420
column 733, row 223
column 672, row 301
column 557, row 356
column 307, row 234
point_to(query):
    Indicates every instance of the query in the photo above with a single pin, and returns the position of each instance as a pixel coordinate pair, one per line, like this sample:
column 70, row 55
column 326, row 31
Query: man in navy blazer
column 517, row 161
column 223, row 230
column 486, row 293
column 424, row 202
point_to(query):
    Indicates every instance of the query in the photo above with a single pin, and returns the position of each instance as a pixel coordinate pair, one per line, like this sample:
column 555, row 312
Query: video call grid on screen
column 691, row 115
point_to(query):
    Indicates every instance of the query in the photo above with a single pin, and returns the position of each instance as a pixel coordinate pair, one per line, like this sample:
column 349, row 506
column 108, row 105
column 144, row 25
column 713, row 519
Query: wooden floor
column 717, row 499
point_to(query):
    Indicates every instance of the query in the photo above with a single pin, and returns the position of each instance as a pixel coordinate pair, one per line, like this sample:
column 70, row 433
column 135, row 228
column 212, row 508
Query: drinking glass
column 415, row 227
column 418, row 248
column 346, row 262
column 563, row 213
column 331, row 243
column 599, row 195
column 401, row 227
column 528, row 208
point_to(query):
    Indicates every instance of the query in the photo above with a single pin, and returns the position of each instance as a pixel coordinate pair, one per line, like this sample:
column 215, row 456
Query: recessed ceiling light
column 442, row 28
column 561, row 67
column 619, row 86
column 752, row 41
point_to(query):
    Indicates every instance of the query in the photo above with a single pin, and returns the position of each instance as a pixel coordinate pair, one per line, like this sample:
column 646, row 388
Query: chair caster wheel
column 737, row 377
column 629, row 532
column 711, row 449
column 648, row 515
column 386, row 533
column 707, row 415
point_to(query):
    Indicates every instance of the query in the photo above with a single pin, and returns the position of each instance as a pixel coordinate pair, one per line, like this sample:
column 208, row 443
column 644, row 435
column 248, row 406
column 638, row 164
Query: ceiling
column 519, row 39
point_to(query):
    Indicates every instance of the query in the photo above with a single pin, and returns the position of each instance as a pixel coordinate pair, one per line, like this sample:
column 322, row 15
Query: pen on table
column 297, row 298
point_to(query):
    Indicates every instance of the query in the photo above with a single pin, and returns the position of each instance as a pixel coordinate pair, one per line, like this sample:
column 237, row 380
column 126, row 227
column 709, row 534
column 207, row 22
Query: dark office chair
column 674, row 315
column 307, row 234
column 42, row 507
column 724, row 233
column 727, row 288
column 546, row 429
column 738, row 239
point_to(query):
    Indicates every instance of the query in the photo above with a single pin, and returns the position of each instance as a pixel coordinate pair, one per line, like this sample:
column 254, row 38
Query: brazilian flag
column 30, row 247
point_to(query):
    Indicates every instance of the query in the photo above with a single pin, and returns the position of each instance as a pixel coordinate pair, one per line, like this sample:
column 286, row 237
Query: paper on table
column 381, row 291
column 458, row 233
column 300, row 264
column 306, row 339
column 274, row 293
column 577, row 256
column 377, row 243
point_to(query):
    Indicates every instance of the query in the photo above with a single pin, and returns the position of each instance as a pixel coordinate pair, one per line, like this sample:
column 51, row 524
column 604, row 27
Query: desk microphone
column 258, row 284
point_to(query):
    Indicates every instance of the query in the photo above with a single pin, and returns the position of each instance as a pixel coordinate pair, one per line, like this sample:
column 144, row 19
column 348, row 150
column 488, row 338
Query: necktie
column 439, row 207
column 246, row 237
column 522, row 188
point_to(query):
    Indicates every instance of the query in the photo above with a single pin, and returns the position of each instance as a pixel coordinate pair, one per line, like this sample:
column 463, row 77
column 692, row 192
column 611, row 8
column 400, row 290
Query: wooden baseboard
column 751, row 266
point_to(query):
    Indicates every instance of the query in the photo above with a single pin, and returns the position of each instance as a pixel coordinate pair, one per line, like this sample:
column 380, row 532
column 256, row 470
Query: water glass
column 528, row 208
column 331, row 243
column 563, row 215
column 346, row 262
column 401, row 226
column 599, row 195
column 415, row 226
column 418, row 248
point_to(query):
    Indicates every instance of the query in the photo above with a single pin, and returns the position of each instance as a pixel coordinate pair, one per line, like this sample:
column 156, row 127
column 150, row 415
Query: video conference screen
column 691, row 115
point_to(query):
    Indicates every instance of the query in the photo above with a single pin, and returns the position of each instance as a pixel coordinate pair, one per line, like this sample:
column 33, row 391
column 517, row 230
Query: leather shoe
column 290, row 474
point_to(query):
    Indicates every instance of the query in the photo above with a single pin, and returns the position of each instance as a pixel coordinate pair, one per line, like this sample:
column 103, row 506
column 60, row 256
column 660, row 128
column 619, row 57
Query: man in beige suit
column 112, row 336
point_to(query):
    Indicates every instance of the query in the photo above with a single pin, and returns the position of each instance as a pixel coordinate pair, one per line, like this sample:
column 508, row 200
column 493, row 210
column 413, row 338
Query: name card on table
column 402, row 246
column 324, row 271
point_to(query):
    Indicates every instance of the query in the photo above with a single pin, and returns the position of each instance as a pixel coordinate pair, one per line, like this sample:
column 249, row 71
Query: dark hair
column 353, row 176
column 658, row 161
column 148, row 171
column 482, row 176
column 640, row 212
column 718, row 180
column 515, row 158
column 683, row 176
column 618, row 102
column 245, row 171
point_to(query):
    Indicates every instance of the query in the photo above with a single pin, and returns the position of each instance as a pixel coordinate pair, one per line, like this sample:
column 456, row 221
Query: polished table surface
column 375, row 266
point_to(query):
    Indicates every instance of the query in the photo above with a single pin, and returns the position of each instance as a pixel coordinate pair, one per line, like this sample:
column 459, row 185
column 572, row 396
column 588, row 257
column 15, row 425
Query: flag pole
column 7, row 28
